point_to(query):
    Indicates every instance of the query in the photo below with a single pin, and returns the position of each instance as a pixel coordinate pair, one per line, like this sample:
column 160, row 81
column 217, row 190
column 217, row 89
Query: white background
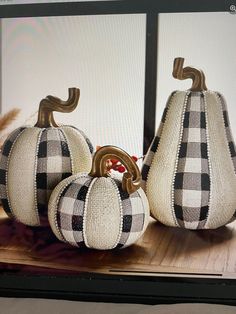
column 206, row 41
column 102, row 55
column 105, row 57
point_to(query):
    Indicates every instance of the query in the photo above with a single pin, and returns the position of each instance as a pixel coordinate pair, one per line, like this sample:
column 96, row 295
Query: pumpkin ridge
column 114, row 182
column 6, row 154
column 35, row 175
column 209, row 161
column 154, row 145
column 228, row 132
column 21, row 195
column 54, row 202
column 229, row 137
column 70, row 153
column 90, row 145
column 53, row 165
column 163, row 164
column 86, row 210
column 192, row 179
column 222, row 203
column 80, row 153
column 133, row 217
column 146, row 208
column 173, row 209
column 102, row 213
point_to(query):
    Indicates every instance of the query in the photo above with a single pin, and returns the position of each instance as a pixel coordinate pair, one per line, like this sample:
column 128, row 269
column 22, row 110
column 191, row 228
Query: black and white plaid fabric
column 53, row 165
column 5, row 153
column 133, row 217
column 71, row 207
column 192, row 180
column 154, row 145
column 71, row 211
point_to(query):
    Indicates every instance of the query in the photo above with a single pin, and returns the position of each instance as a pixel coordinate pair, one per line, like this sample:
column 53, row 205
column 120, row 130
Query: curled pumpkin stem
column 51, row 103
column 197, row 76
column 131, row 180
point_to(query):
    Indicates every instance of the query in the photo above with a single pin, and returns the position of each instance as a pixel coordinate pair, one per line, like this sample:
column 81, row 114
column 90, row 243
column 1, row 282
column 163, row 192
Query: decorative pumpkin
column 98, row 211
column 189, row 170
column 35, row 159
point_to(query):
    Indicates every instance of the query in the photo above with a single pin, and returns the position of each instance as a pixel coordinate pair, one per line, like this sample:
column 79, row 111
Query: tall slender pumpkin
column 35, row 159
column 189, row 170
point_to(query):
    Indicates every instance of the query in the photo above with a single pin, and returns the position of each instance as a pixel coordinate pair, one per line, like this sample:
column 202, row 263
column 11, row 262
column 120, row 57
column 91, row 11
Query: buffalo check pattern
column 133, row 217
column 71, row 207
column 154, row 145
column 53, row 165
column 192, row 180
column 71, row 211
column 5, row 153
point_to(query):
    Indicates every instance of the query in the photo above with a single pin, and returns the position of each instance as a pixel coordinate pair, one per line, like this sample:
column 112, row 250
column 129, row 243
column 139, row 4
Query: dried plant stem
column 8, row 118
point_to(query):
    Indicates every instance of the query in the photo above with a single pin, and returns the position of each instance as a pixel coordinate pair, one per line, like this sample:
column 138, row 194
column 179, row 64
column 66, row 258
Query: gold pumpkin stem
column 196, row 75
column 131, row 180
column 51, row 103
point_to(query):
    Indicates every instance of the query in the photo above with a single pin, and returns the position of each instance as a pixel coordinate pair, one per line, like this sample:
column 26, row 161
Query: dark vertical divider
column 0, row 66
column 150, row 79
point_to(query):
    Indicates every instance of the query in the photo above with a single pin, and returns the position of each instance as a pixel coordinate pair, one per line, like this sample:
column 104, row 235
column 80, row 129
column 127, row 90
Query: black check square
column 41, row 179
column 127, row 223
column 7, row 148
column 232, row 149
column 42, row 152
column 178, row 212
column 3, row 176
column 82, row 193
column 145, row 170
column 204, row 150
column 205, row 182
column 226, row 121
column 204, row 212
column 77, row 223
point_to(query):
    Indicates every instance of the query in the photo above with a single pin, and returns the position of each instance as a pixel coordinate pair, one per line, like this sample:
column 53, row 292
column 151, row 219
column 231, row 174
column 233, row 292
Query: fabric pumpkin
column 35, row 159
column 98, row 211
column 189, row 170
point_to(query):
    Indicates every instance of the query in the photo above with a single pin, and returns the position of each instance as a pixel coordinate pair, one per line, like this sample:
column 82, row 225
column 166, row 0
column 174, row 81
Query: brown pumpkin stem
column 51, row 103
column 181, row 73
column 131, row 180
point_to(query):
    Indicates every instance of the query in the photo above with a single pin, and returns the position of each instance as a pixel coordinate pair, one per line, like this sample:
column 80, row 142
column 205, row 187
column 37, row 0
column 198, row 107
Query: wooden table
column 163, row 255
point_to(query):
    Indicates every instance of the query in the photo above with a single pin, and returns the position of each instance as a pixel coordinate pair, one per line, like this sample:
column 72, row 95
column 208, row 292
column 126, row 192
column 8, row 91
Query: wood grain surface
column 162, row 251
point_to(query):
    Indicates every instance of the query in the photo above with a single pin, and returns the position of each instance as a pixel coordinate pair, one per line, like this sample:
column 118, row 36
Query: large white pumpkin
column 35, row 159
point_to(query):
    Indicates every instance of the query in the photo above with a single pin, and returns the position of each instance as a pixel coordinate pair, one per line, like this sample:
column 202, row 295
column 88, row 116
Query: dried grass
column 8, row 118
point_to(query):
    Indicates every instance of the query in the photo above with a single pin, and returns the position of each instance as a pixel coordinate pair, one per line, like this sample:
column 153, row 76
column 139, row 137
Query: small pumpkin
column 189, row 170
column 35, row 159
column 98, row 211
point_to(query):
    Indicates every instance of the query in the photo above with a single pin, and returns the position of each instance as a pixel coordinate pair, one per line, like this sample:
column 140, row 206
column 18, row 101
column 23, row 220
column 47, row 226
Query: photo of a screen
column 117, row 139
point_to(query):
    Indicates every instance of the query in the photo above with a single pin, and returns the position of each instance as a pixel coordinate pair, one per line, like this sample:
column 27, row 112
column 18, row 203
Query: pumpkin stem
column 131, row 180
column 196, row 75
column 51, row 103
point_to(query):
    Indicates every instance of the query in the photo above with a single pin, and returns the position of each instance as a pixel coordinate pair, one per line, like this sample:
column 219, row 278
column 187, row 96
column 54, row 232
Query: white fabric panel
column 222, row 203
column 102, row 215
column 163, row 167
column 81, row 157
column 21, row 176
